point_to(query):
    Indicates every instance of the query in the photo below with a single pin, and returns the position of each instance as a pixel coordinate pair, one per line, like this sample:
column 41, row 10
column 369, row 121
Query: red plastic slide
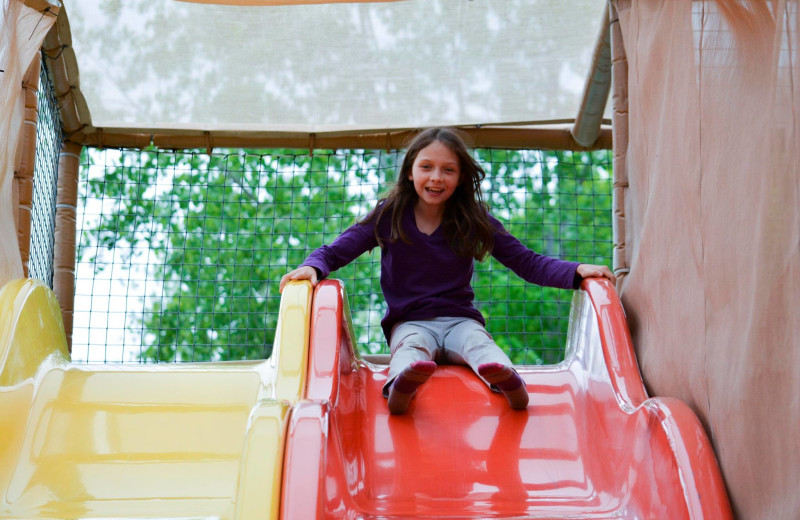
column 590, row 445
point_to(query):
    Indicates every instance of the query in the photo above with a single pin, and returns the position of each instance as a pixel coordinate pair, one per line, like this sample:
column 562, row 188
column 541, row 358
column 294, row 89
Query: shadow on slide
column 590, row 445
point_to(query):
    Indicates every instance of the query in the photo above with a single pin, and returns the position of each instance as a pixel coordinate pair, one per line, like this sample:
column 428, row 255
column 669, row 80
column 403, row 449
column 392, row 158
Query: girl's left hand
column 601, row 271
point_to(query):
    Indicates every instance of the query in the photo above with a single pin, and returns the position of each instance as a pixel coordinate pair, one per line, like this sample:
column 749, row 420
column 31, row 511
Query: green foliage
column 215, row 234
column 558, row 204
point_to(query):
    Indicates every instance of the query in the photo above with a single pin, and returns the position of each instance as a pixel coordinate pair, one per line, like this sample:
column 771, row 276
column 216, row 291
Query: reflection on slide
column 590, row 445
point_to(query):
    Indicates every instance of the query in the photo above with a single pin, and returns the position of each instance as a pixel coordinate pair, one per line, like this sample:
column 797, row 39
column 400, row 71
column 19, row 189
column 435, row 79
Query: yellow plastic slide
column 140, row 441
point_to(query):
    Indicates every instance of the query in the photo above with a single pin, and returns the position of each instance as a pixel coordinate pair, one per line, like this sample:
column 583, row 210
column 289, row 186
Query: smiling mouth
column 435, row 190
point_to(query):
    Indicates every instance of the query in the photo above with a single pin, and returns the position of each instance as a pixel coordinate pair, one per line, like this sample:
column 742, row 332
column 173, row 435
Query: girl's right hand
column 599, row 271
column 301, row 273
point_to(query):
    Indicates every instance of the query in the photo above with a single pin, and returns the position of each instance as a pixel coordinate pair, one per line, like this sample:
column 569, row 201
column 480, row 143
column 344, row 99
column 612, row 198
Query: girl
column 431, row 227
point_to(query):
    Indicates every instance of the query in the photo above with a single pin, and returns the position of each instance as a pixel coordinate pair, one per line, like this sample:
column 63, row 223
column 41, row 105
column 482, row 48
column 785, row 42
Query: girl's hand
column 601, row 271
column 301, row 273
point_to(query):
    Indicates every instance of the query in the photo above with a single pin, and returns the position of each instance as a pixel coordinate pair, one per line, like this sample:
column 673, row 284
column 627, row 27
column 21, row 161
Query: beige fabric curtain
column 23, row 26
column 713, row 229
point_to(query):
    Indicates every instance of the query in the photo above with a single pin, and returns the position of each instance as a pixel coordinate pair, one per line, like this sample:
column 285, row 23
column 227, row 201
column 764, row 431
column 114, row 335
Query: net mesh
column 45, row 182
column 180, row 253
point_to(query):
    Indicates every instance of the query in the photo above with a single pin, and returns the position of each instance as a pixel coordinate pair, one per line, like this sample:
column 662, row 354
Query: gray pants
column 455, row 341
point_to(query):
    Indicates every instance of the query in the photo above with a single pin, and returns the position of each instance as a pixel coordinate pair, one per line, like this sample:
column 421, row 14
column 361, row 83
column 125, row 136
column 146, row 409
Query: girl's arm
column 540, row 269
column 355, row 240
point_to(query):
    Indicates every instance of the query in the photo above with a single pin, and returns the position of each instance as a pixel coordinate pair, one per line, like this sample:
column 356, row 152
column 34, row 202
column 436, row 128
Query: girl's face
column 435, row 173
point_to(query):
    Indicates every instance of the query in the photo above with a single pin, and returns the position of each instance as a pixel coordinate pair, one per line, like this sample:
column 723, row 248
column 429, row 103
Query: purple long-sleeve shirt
column 426, row 279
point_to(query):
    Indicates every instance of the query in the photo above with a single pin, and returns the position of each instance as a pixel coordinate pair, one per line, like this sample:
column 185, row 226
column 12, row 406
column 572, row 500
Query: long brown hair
column 465, row 223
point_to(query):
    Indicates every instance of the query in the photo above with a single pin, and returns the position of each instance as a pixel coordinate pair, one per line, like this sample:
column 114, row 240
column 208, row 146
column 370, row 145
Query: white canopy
column 164, row 65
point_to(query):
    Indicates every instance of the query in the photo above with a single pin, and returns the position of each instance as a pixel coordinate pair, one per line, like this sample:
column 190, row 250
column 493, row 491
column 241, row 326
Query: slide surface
column 590, row 445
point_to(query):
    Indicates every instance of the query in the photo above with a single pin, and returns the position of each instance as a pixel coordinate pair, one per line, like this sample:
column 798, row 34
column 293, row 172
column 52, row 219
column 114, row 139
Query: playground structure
column 705, row 94
column 306, row 433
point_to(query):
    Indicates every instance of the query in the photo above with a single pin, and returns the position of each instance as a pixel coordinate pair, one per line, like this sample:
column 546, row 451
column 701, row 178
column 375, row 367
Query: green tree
column 216, row 233
column 559, row 204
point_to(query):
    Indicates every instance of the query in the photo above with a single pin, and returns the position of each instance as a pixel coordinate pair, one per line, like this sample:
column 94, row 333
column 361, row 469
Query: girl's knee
column 480, row 340
column 486, row 351
column 410, row 334
column 414, row 342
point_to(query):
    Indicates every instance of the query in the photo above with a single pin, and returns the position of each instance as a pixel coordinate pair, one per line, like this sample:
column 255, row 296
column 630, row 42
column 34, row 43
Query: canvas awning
column 318, row 70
